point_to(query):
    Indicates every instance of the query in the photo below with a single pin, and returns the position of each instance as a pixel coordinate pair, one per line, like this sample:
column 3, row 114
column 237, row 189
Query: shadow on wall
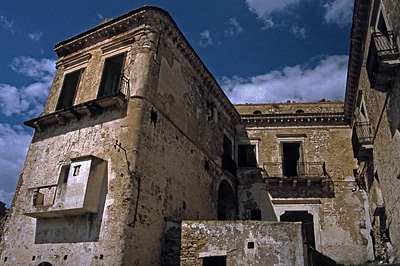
column 72, row 229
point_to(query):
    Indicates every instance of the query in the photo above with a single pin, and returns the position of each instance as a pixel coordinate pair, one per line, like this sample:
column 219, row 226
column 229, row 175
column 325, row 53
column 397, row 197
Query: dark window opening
column 247, row 156
column 291, row 158
column 381, row 26
column 250, row 245
column 227, row 147
column 112, row 73
column 68, row 89
column 76, row 170
column 255, row 215
column 45, row 263
column 257, row 112
column 214, row 261
column 307, row 224
column 299, row 111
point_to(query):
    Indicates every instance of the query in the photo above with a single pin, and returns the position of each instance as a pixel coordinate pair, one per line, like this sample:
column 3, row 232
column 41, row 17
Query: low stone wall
column 242, row 242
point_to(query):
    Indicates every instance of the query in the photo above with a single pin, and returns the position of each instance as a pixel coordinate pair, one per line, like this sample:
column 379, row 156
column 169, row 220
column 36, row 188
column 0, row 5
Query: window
column 255, row 215
column 227, row 147
column 214, row 261
column 290, row 158
column 112, row 73
column 64, row 173
column 69, row 88
column 247, row 155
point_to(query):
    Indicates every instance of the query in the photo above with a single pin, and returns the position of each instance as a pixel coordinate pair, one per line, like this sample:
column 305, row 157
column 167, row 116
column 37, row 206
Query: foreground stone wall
column 242, row 242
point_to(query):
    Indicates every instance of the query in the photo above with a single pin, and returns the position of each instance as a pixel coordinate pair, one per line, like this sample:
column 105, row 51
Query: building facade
column 372, row 105
column 140, row 159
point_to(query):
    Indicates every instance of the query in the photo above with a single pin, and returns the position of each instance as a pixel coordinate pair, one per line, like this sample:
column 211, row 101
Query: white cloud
column 14, row 142
column 298, row 83
column 6, row 24
column 299, row 32
column 35, row 36
column 205, row 38
column 100, row 16
column 339, row 12
column 265, row 8
column 235, row 27
column 28, row 101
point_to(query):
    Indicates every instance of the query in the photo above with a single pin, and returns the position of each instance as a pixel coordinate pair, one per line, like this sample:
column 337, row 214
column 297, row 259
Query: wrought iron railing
column 363, row 131
column 303, row 170
column 385, row 43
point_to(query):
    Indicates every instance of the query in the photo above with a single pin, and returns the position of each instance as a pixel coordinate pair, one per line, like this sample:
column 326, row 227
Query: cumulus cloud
column 299, row 32
column 265, row 8
column 6, row 24
column 205, row 38
column 35, row 36
column 339, row 12
column 298, row 83
column 235, row 27
column 14, row 142
column 28, row 101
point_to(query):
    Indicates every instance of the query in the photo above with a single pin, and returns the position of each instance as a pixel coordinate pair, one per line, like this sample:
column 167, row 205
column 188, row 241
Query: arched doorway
column 45, row 263
column 226, row 202
column 307, row 224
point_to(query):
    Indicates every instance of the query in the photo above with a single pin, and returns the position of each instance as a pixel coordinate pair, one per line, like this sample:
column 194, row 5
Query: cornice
column 313, row 119
column 359, row 31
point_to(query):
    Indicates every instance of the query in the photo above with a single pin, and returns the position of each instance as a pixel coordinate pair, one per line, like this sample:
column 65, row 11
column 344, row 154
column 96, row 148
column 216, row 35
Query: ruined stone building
column 139, row 158
column 372, row 105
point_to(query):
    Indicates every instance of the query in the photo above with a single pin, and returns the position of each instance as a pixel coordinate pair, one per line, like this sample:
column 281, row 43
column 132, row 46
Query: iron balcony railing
column 363, row 131
column 385, row 43
column 303, row 170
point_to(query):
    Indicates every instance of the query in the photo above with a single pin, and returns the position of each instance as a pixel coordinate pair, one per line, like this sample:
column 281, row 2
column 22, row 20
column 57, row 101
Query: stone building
column 372, row 105
column 140, row 159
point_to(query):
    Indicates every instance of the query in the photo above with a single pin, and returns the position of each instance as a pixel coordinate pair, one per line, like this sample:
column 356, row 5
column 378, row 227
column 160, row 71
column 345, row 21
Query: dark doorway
column 307, row 224
column 214, row 261
column 111, row 78
column 291, row 158
column 226, row 202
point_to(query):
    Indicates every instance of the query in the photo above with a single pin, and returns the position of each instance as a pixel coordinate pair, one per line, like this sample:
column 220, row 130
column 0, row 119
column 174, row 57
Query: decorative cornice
column 358, row 37
column 295, row 119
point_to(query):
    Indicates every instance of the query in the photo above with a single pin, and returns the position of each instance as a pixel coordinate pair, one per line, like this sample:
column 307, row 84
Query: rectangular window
column 112, row 74
column 64, row 173
column 68, row 89
column 247, row 155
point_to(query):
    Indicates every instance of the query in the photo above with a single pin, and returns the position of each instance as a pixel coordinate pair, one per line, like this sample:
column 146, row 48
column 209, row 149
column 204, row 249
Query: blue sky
column 259, row 51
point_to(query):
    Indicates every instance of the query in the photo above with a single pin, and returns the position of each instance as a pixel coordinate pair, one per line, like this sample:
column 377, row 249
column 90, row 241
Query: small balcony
column 362, row 140
column 306, row 179
column 383, row 58
column 118, row 97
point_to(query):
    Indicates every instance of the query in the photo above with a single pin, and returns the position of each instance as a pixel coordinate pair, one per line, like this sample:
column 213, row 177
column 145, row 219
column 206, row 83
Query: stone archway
column 226, row 202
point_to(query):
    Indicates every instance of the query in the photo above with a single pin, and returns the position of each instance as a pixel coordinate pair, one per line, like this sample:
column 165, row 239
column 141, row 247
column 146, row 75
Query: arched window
column 45, row 263
column 299, row 111
column 257, row 112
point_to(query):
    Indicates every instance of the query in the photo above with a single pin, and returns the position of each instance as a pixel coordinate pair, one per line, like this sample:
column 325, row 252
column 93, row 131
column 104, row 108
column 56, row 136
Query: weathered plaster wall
column 242, row 242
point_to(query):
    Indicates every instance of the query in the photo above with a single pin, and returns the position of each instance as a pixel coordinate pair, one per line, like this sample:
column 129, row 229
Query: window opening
column 68, row 89
column 291, row 158
column 214, row 261
column 247, row 155
column 255, row 215
column 227, row 147
column 250, row 245
column 112, row 73
column 307, row 224
column 257, row 112
column 299, row 111
column 76, row 170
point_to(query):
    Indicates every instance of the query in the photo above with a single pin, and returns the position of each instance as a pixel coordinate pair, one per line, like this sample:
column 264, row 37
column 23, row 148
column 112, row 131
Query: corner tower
column 136, row 135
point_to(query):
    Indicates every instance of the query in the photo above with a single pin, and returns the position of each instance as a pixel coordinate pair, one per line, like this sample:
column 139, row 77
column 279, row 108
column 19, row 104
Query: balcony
column 91, row 108
column 362, row 140
column 383, row 58
column 77, row 192
column 308, row 179
column 229, row 165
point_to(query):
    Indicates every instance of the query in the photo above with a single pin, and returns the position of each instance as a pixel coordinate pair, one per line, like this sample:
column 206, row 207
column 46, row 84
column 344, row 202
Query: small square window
column 76, row 170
